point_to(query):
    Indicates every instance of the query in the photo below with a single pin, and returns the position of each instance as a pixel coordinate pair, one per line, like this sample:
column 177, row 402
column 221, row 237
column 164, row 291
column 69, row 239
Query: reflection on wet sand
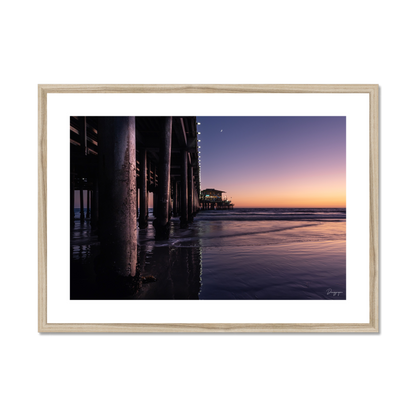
column 168, row 271
column 248, row 256
column 165, row 271
column 176, row 270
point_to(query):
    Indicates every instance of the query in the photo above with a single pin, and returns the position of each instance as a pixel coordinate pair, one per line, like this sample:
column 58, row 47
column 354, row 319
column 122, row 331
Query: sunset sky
column 275, row 161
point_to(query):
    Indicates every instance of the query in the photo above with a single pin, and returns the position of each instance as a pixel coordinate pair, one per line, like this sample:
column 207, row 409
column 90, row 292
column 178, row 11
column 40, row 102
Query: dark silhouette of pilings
column 161, row 222
column 103, row 163
column 144, row 194
column 184, row 188
column 118, row 215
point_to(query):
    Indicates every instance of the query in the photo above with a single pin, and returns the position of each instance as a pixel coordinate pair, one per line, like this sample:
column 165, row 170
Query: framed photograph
column 208, row 208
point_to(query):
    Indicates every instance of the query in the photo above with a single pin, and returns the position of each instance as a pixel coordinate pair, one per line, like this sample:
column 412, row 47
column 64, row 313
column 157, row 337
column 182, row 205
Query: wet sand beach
column 239, row 254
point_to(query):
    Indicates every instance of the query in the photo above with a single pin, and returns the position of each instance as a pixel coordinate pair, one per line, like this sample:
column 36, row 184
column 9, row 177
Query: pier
column 212, row 199
column 119, row 161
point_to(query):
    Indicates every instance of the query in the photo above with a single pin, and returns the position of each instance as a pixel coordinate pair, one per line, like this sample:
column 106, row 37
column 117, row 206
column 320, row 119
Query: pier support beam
column 72, row 201
column 196, row 201
column 117, row 162
column 88, row 204
column 144, row 195
column 184, row 188
column 155, row 202
column 191, row 193
column 94, row 205
column 175, row 199
column 163, row 209
column 81, row 200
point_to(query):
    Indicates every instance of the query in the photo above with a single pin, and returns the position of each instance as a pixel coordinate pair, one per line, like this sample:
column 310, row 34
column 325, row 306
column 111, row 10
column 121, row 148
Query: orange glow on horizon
column 287, row 201
column 316, row 197
column 306, row 203
column 276, row 162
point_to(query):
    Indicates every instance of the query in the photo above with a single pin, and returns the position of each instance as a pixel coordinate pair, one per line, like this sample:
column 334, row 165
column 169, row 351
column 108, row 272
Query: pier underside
column 116, row 162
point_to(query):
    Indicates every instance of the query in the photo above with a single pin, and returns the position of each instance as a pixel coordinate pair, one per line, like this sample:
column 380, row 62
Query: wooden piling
column 155, row 203
column 117, row 164
column 88, row 204
column 72, row 202
column 175, row 199
column 184, row 188
column 81, row 200
column 144, row 195
column 165, row 149
column 190, row 194
column 94, row 205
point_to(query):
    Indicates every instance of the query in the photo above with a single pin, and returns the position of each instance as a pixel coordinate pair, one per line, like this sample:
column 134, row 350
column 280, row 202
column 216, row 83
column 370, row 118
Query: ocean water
column 267, row 254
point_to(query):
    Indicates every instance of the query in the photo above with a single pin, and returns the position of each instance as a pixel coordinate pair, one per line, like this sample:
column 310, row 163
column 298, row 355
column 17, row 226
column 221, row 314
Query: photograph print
column 208, row 208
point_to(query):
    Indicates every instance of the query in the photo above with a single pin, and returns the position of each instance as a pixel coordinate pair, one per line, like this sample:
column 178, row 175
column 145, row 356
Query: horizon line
column 268, row 208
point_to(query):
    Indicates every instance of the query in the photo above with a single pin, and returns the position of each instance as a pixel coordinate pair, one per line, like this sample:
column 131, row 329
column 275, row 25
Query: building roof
column 215, row 190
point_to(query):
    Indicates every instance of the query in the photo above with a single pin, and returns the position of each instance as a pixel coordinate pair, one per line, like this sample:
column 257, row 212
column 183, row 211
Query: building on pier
column 212, row 199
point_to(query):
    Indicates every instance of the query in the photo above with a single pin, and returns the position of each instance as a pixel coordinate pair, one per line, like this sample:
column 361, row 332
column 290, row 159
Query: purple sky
column 273, row 161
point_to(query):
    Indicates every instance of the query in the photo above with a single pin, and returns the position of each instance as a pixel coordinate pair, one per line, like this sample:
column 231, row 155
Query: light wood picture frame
column 372, row 326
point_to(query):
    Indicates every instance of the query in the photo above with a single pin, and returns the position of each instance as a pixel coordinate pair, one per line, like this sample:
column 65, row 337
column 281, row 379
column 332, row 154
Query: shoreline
column 264, row 250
